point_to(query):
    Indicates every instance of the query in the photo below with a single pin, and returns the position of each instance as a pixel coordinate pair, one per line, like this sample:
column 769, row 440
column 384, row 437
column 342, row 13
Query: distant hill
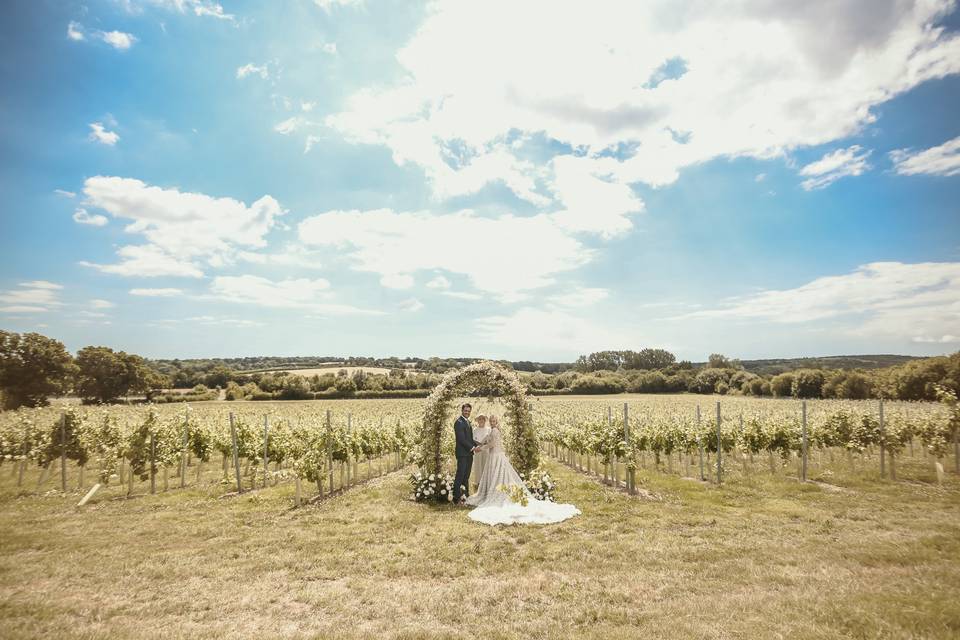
column 780, row 365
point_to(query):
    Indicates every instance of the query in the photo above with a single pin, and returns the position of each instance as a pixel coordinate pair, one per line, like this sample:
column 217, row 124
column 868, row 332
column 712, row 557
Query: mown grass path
column 760, row 558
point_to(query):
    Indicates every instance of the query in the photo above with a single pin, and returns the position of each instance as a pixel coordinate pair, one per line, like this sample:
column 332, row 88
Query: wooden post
column 153, row 463
column 883, row 437
column 700, row 445
column 89, row 495
column 130, row 480
column 266, row 443
column 719, row 446
column 63, row 451
column 630, row 480
column 803, row 442
column 296, row 495
column 236, row 460
column 330, row 447
column 183, row 448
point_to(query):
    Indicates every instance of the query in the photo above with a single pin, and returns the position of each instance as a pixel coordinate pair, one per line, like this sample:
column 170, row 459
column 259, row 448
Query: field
column 320, row 371
column 847, row 555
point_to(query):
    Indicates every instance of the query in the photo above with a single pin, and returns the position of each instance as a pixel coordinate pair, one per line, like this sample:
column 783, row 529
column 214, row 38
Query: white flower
column 443, row 492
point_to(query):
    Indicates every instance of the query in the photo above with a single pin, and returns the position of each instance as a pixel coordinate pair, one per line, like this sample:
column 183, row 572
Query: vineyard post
column 883, row 466
column 266, row 443
column 183, row 449
column 236, row 459
column 626, row 437
column 153, row 463
column 23, row 463
column 349, row 435
column 719, row 445
column 63, row 450
column 803, row 442
column 610, row 427
column 330, row 447
column 700, row 444
column 380, row 457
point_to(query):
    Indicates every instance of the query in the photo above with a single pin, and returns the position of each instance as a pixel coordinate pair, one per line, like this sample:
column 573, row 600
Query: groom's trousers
column 464, row 465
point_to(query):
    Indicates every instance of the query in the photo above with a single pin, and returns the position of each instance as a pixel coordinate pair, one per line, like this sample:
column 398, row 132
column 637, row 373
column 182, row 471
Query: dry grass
column 760, row 558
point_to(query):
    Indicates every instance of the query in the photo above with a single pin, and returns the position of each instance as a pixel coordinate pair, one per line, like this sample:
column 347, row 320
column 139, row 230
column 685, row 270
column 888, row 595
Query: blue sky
column 188, row 178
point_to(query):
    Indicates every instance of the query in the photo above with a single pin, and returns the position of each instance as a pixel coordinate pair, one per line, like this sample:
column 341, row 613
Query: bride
column 494, row 506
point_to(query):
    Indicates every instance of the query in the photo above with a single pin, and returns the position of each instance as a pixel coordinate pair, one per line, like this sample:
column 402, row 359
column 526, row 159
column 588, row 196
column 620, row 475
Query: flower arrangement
column 540, row 484
column 431, row 487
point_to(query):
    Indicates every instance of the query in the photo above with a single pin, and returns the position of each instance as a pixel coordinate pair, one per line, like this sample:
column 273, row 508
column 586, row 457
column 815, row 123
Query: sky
column 535, row 180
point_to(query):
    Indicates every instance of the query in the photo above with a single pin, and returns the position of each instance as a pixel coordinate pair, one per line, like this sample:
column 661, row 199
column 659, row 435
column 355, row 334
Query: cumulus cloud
column 181, row 227
column 411, row 305
column 943, row 160
column 36, row 296
column 545, row 330
column 75, row 31
column 439, row 282
column 157, row 293
column 117, row 39
column 580, row 297
column 297, row 293
column 530, row 251
column 329, row 5
column 82, row 216
column 252, row 69
column 635, row 92
column 851, row 161
column 98, row 133
column 910, row 301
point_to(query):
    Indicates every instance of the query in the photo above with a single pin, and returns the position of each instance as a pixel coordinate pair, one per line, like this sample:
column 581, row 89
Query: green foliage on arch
column 522, row 447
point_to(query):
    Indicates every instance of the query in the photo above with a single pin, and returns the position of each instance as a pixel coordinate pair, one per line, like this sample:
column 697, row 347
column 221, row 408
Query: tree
column 32, row 367
column 782, row 385
column 104, row 375
column 807, row 383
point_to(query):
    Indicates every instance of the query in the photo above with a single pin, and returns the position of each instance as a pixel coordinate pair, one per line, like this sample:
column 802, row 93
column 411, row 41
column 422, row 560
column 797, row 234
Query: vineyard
column 301, row 506
column 323, row 445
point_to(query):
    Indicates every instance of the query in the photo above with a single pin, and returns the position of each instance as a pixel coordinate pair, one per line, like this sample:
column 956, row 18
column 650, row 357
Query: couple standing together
column 492, row 505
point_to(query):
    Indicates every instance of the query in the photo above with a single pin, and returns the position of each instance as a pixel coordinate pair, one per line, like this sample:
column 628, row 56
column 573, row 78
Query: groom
column 466, row 445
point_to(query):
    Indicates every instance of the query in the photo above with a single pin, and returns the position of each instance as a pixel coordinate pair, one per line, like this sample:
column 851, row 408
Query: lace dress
column 495, row 507
column 480, row 457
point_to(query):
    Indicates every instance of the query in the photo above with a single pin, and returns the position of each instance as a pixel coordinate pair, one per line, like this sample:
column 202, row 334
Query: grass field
column 761, row 557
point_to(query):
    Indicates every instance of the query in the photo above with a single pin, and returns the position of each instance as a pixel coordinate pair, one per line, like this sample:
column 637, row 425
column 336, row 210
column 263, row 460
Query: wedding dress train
column 495, row 507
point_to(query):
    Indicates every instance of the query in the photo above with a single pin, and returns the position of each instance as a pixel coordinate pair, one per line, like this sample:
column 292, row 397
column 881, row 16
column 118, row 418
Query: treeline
column 287, row 385
column 916, row 379
column 34, row 367
column 216, row 372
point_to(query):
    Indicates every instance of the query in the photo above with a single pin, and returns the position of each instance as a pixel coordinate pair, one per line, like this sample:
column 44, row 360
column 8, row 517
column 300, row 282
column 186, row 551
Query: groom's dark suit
column 464, row 453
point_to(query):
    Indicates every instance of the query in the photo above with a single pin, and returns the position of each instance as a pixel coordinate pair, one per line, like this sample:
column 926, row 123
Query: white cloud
column 837, row 164
column 397, row 281
column 438, row 282
column 760, row 177
column 65, row 194
column 412, row 305
column 545, row 330
column 878, row 299
column 580, row 297
column 101, row 304
column 945, row 339
column 181, row 227
column 462, row 295
column 754, row 79
column 328, row 5
column 530, row 251
column 75, row 31
column 943, row 160
column 81, row 216
column 299, row 293
column 99, row 134
column 327, row 47
column 36, row 296
column 117, row 39
column 148, row 261
column 252, row 69
column 157, row 293
column 289, row 125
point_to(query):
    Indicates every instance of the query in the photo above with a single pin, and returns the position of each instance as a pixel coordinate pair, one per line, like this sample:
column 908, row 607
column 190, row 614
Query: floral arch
column 522, row 447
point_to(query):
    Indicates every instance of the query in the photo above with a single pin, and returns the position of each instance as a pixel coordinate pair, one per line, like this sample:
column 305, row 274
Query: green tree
column 105, row 375
column 32, row 367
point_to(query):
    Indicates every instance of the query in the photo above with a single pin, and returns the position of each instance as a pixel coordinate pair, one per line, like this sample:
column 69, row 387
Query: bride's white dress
column 495, row 507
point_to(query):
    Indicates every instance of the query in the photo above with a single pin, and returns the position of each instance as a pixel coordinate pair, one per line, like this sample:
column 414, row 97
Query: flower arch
column 522, row 447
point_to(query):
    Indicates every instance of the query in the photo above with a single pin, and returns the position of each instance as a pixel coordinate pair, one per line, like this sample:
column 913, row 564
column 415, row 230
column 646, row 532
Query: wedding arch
column 439, row 414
